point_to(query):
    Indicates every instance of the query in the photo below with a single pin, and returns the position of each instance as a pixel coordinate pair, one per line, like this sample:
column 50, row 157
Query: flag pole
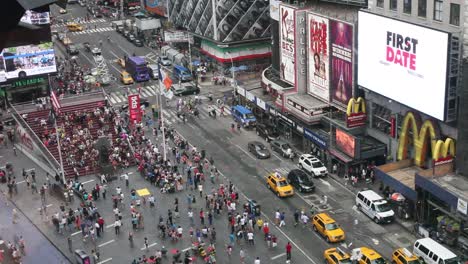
column 161, row 110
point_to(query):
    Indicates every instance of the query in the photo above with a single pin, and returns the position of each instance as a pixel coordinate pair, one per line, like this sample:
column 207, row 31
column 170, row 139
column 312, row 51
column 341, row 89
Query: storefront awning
column 341, row 156
column 396, row 185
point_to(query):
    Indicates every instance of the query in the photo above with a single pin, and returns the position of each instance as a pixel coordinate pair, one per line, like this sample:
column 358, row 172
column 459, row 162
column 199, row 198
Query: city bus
column 137, row 67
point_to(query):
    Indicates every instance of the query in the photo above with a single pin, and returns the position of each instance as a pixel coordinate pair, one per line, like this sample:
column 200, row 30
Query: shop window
column 422, row 6
column 455, row 14
column 380, row 3
column 393, row 5
column 381, row 118
column 407, row 5
column 438, row 5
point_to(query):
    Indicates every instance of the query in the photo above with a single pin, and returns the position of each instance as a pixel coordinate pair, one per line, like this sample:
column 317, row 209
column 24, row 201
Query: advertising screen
column 341, row 41
column 157, row 7
column 345, row 142
column 404, row 62
column 29, row 51
column 287, row 44
column 134, row 107
column 319, row 60
column 235, row 20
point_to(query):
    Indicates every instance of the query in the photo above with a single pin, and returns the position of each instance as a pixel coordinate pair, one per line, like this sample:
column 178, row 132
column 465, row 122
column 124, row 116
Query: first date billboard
column 404, row 62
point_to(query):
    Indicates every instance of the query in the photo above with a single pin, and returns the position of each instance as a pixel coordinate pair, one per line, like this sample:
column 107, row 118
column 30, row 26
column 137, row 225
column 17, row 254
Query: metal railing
column 47, row 155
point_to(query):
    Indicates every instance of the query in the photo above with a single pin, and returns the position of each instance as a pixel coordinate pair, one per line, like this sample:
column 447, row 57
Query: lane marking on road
column 150, row 245
column 186, row 249
column 277, row 156
column 111, row 225
column 20, row 182
column 113, row 53
column 88, row 181
column 106, row 243
column 76, row 233
column 104, row 261
column 278, row 256
column 246, row 152
column 325, row 182
column 47, row 206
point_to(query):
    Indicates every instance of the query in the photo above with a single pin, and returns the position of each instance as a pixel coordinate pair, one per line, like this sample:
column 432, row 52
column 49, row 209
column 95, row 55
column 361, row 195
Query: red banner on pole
column 134, row 107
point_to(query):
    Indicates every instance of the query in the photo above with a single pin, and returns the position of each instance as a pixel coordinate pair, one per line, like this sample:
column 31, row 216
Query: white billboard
column 287, row 44
column 404, row 62
column 274, row 9
column 318, row 50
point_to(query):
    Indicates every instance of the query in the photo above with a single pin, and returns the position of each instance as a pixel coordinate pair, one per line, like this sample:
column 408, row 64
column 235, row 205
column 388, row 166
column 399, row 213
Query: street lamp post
column 233, row 76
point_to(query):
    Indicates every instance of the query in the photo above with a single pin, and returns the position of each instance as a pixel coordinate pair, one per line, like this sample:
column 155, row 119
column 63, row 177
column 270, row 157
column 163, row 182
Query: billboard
column 341, row 79
column 157, row 7
column 134, row 107
column 345, row 142
column 287, row 44
column 274, row 9
column 28, row 49
column 404, row 62
column 233, row 20
column 318, row 59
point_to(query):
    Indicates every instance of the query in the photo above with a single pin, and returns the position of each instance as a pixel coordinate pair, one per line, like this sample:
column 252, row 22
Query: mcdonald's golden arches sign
column 356, row 112
column 425, row 134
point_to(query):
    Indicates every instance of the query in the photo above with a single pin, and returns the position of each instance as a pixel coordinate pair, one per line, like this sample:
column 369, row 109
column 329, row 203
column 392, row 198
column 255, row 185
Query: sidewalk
column 38, row 246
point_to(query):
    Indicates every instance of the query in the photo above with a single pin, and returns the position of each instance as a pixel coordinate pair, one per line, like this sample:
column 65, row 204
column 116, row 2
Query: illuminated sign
column 29, row 82
column 356, row 112
column 424, row 135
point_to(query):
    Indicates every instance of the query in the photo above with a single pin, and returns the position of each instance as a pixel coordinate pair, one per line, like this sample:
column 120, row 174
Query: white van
column 433, row 252
column 374, row 206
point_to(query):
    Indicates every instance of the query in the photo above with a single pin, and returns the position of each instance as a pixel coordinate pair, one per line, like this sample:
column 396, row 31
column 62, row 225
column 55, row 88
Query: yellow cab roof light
column 341, row 251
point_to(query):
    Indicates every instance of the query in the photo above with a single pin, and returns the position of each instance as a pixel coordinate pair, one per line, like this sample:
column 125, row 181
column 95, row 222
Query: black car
column 119, row 29
column 72, row 49
column 138, row 43
column 300, row 181
column 185, row 89
column 258, row 150
column 126, row 33
column 267, row 132
column 130, row 37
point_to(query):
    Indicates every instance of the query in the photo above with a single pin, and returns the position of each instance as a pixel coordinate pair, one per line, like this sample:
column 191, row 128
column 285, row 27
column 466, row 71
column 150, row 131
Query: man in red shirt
column 288, row 251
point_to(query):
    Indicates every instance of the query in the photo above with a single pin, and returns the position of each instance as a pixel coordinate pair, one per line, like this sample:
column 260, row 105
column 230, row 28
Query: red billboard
column 134, row 107
column 345, row 142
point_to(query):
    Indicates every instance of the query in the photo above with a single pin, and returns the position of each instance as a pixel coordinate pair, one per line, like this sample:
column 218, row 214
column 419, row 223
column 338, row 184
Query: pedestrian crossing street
column 82, row 22
column 170, row 115
column 118, row 97
column 90, row 31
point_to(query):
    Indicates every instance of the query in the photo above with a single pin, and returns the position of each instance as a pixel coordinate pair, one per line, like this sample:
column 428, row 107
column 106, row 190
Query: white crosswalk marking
column 96, row 30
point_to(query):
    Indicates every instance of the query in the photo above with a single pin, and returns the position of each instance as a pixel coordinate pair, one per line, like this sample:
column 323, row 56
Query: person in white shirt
column 118, row 190
column 250, row 237
column 257, row 260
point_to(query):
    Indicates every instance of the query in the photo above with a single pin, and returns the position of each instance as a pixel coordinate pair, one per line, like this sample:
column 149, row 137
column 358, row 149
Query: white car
column 165, row 61
column 62, row 11
column 312, row 165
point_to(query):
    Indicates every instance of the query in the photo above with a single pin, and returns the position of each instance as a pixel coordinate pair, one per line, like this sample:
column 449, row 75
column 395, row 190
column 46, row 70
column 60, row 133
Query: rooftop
column 456, row 184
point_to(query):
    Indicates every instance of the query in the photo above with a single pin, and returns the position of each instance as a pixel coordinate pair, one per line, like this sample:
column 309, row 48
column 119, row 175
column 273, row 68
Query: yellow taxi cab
column 336, row 256
column 404, row 256
column 74, row 27
column 279, row 185
column 126, row 78
column 328, row 228
column 121, row 62
column 368, row 256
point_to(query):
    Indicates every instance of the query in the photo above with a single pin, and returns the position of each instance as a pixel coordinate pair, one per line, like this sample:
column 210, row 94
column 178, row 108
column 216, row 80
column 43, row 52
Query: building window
column 455, row 14
column 422, row 5
column 393, row 5
column 380, row 3
column 438, row 10
column 381, row 117
column 407, row 5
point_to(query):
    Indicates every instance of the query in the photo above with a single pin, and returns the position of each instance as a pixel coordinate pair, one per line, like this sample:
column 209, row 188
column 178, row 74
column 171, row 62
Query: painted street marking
column 104, row 261
column 76, row 233
column 87, row 181
column 106, row 243
column 111, row 225
column 150, row 245
column 325, row 182
column 20, row 182
column 278, row 256
column 246, row 152
column 186, row 249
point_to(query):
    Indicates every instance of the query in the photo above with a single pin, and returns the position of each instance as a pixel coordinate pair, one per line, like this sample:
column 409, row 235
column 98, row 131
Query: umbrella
column 242, row 68
column 398, row 197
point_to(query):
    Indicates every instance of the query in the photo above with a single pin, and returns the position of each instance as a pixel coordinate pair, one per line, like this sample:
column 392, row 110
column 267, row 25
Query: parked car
column 138, row 42
column 267, row 132
column 282, row 148
column 119, row 28
column 130, row 37
column 72, row 49
column 126, row 33
column 312, row 165
column 258, row 150
column 185, row 89
column 300, row 181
